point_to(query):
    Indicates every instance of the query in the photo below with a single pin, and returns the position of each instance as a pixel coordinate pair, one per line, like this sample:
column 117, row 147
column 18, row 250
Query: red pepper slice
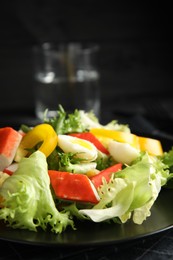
column 97, row 180
column 93, row 139
column 70, row 186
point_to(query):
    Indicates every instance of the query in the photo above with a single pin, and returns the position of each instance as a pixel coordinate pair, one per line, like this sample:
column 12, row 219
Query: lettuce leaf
column 65, row 122
column 167, row 159
column 28, row 201
column 119, row 193
column 79, row 121
column 131, row 192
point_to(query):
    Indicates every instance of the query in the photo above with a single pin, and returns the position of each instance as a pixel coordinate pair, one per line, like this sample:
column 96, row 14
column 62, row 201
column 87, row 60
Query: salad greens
column 29, row 201
column 167, row 159
column 58, row 160
column 79, row 121
column 131, row 190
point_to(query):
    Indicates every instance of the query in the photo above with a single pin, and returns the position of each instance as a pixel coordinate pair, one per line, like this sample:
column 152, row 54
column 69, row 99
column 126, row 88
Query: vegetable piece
column 65, row 123
column 9, row 142
column 119, row 136
column 97, row 180
column 122, row 152
column 41, row 133
column 120, row 196
column 91, row 138
column 3, row 177
column 27, row 198
column 70, row 186
column 152, row 146
column 167, row 159
column 68, row 162
column 131, row 192
column 79, row 121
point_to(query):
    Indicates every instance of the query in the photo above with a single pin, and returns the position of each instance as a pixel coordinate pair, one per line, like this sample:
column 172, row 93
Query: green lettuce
column 118, row 194
column 79, row 121
column 167, row 159
column 68, row 162
column 28, row 201
column 65, row 122
column 131, row 192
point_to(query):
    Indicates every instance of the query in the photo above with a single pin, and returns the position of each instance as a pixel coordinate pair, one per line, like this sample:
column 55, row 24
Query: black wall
column 135, row 58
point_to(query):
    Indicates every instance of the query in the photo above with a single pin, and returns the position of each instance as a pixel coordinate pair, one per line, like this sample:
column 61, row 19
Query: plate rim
column 37, row 242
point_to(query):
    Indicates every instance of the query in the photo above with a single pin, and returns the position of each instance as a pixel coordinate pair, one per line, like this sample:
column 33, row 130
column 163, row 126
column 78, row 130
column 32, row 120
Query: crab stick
column 9, row 142
column 11, row 168
column 76, row 187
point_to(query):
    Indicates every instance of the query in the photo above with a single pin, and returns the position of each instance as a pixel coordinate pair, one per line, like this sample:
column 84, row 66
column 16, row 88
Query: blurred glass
column 66, row 75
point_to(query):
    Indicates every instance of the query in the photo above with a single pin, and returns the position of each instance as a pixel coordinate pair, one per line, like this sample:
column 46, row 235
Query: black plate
column 93, row 234
column 88, row 233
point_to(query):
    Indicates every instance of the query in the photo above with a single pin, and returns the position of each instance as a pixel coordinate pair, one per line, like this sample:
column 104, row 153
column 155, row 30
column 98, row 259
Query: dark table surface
column 156, row 246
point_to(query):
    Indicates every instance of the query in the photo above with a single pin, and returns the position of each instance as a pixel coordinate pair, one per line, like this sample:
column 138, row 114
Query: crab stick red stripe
column 70, row 186
column 9, row 142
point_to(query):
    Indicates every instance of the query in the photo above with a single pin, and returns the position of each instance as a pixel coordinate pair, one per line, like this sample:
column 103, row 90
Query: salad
column 72, row 168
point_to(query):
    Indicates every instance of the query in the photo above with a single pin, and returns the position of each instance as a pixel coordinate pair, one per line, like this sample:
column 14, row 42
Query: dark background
column 135, row 57
column 135, row 63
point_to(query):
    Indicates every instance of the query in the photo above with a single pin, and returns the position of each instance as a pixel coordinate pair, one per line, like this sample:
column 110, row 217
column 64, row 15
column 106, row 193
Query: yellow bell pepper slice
column 119, row 136
column 152, row 146
column 41, row 133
